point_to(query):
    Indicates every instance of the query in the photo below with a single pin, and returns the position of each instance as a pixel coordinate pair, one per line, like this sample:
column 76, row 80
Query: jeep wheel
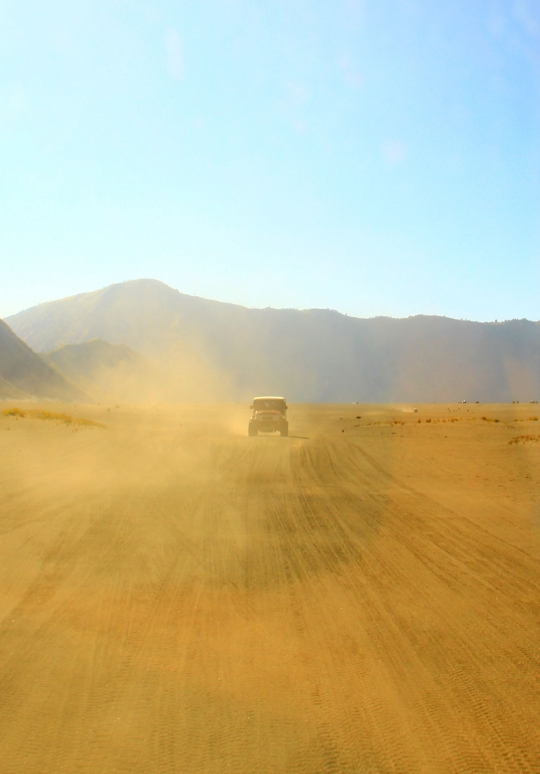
column 285, row 429
column 252, row 429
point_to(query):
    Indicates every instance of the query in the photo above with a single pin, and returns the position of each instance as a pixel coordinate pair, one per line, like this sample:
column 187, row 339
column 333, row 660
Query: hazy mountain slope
column 89, row 361
column 308, row 355
column 106, row 371
column 24, row 372
column 113, row 372
column 9, row 391
column 146, row 315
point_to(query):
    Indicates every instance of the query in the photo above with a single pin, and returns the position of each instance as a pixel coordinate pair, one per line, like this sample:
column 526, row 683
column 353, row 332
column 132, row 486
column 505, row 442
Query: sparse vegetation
column 51, row 415
column 14, row 412
column 524, row 438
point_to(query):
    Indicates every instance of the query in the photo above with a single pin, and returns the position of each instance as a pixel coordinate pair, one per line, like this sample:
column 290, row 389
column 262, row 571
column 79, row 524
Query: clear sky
column 371, row 156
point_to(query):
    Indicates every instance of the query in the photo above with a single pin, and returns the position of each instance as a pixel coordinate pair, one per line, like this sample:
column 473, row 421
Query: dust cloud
column 113, row 374
column 361, row 596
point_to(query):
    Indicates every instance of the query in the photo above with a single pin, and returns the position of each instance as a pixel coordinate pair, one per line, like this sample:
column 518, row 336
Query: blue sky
column 371, row 157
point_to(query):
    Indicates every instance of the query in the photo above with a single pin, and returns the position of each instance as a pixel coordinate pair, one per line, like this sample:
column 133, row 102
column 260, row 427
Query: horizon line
column 275, row 308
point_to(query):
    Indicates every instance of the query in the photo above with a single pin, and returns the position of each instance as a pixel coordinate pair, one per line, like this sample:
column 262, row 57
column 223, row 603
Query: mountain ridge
column 310, row 355
column 108, row 372
column 258, row 308
column 23, row 374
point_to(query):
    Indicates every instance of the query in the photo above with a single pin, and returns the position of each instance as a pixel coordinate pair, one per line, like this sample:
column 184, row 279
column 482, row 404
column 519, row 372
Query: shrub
column 524, row 438
column 14, row 412
column 65, row 418
column 42, row 414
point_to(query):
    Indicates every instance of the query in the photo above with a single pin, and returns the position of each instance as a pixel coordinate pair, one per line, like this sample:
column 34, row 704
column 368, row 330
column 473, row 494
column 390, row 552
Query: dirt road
column 362, row 596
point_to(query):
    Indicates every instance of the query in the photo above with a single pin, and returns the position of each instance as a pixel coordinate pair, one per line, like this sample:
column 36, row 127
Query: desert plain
column 362, row 596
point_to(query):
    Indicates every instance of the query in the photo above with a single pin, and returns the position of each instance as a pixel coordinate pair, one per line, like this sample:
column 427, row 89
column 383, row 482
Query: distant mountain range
column 23, row 374
column 177, row 346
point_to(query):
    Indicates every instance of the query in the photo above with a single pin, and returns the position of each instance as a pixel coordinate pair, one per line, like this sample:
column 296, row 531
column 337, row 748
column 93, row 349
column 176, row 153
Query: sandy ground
column 362, row 596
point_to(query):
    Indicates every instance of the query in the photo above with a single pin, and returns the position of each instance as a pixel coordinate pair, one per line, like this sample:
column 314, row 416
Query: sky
column 378, row 158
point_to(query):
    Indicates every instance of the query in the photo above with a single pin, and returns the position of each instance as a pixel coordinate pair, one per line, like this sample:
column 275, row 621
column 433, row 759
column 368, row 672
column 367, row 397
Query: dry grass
column 524, row 439
column 51, row 415
column 14, row 412
column 448, row 420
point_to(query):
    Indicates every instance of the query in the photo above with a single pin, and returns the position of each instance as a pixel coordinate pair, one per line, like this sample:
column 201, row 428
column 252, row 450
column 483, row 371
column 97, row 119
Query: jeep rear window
column 274, row 405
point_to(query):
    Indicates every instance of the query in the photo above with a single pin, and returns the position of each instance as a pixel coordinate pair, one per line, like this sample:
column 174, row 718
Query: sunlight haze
column 269, row 387
column 374, row 158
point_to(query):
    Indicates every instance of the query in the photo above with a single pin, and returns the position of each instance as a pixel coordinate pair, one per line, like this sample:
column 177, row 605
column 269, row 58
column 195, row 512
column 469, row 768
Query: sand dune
column 362, row 596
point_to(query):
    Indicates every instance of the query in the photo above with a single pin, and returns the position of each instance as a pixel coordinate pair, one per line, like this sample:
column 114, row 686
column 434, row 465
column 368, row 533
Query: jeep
column 268, row 415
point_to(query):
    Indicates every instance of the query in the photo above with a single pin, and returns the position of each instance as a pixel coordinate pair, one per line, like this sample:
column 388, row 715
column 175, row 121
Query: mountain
column 106, row 371
column 146, row 315
column 24, row 374
column 88, row 360
column 113, row 372
column 8, row 391
column 224, row 351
